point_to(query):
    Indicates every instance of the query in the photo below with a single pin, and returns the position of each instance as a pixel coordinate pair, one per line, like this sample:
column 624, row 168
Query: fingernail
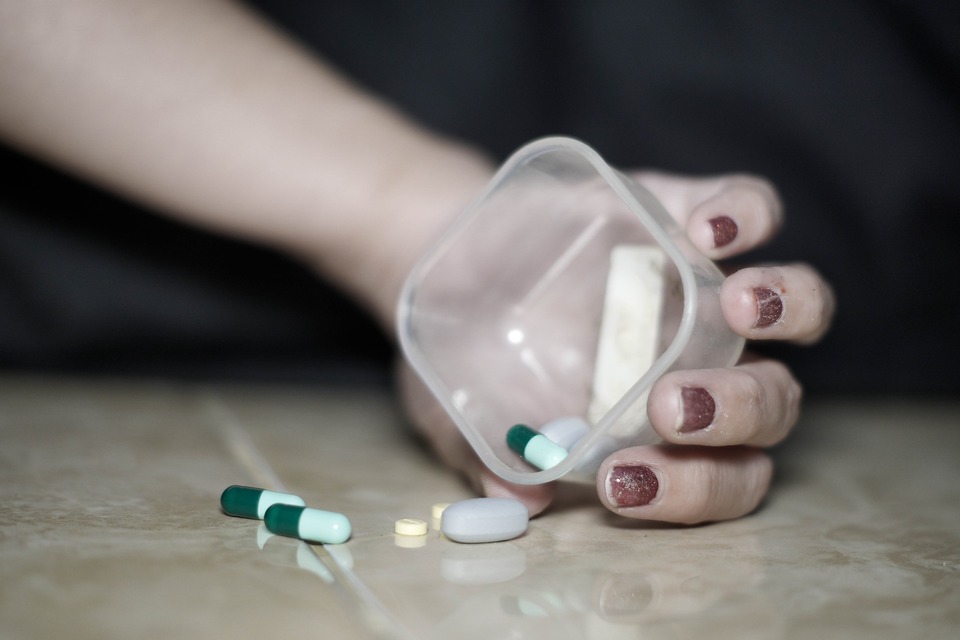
column 724, row 230
column 769, row 307
column 632, row 486
column 698, row 408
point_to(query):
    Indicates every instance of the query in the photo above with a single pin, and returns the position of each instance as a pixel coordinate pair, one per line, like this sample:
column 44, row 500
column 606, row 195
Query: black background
column 851, row 108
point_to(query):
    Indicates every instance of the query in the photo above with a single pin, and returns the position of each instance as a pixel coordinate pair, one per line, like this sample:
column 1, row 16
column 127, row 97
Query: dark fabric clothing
column 851, row 108
column 92, row 284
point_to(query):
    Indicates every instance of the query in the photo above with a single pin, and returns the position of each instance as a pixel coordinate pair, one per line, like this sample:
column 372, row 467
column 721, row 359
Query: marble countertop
column 111, row 528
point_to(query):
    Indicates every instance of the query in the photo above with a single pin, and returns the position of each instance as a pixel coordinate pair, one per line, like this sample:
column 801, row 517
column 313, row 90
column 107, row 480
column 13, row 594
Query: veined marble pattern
column 111, row 528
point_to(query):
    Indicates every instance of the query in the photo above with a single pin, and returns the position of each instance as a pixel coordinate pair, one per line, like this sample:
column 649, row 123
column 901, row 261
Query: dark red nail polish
column 724, row 230
column 632, row 486
column 698, row 409
column 769, row 307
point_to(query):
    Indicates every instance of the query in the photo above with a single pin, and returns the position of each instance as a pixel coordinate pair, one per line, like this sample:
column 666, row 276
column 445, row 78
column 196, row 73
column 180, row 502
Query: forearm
column 200, row 110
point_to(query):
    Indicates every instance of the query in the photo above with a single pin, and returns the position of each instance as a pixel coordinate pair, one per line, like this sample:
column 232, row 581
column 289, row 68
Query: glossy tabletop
column 111, row 528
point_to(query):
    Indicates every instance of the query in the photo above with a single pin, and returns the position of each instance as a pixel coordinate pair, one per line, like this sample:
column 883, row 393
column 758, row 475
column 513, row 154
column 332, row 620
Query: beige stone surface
column 110, row 527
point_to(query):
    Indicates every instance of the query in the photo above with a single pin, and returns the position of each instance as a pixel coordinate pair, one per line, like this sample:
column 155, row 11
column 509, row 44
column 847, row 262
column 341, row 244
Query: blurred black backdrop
column 851, row 108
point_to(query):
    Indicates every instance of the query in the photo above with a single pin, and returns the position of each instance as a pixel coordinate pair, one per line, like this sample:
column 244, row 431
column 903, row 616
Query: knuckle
column 791, row 397
column 726, row 486
column 765, row 197
column 828, row 306
column 754, row 400
column 818, row 315
column 794, row 388
column 758, row 482
column 819, row 318
column 777, row 394
column 753, row 482
column 794, row 398
column 701, row 502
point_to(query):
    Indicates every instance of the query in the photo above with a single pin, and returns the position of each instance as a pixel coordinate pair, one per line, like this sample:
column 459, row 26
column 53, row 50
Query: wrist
column 416, row 197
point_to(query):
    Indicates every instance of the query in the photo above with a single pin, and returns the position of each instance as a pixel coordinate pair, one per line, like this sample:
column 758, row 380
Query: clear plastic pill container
column 563, row 291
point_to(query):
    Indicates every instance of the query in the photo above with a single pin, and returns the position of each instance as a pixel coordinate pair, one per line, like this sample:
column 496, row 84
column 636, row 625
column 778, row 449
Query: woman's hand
column 253, row 136
column 714, row 422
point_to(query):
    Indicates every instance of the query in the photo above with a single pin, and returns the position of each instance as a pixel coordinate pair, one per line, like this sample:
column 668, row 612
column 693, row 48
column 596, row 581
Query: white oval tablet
column 484, row 520
column 566, row 431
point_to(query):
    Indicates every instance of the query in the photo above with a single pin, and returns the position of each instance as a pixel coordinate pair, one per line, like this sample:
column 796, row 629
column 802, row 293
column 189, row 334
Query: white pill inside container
column 566, row 431
column 484, row 520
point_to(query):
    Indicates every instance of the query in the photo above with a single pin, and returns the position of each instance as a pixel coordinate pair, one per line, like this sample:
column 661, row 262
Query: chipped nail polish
column 724, row 230
column 633, row 486
column 698, row 408
column 769, row 307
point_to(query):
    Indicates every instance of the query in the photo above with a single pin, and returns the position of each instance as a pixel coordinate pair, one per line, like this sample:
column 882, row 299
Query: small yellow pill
column 438, row 508
column 410, row 527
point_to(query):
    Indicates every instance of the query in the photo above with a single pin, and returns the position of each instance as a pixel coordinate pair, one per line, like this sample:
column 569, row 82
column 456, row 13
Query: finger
column 453, row 450
column 757, row 404
column 784, row 303
column 723, row 215
column 684, row 484
column 679, row 194
column 535, row 497
column 745, row 213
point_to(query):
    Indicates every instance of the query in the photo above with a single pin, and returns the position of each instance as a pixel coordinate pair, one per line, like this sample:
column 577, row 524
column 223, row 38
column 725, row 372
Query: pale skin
column 204, row 112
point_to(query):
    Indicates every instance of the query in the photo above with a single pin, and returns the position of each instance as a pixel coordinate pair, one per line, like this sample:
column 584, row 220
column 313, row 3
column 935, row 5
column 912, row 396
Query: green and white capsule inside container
column 535, row 448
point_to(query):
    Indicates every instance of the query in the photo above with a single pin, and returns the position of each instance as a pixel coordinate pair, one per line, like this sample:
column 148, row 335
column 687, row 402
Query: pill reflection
column 538, row 605
column 307, row 559
column 341, row 555
column 409, row 542
column 482, row 616
column 482, row 564
column 601, row 597
column 263, row 534
column 276, row 550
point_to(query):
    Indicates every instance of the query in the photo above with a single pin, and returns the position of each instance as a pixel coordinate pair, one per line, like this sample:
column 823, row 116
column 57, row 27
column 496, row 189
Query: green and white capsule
column 535, row 448
column 310, row 525
column 251, row 502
